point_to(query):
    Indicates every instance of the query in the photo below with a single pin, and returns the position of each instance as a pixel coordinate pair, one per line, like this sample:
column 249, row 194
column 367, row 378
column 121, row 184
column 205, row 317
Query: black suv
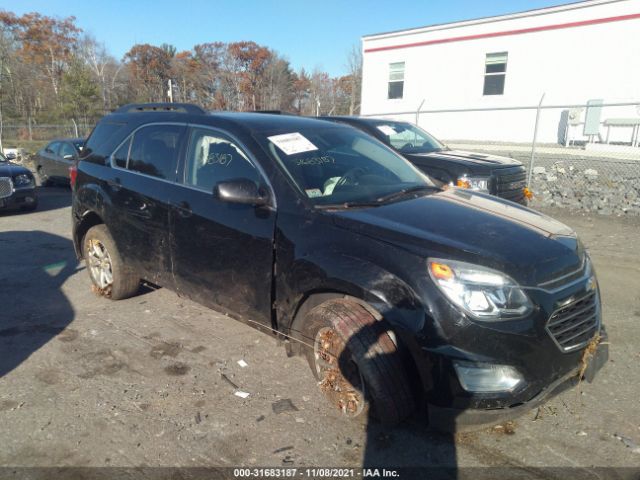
column 399, row 293
column 501, row 176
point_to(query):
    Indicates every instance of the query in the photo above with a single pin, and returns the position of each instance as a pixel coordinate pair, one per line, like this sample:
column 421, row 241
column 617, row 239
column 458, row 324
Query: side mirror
column 240, row 190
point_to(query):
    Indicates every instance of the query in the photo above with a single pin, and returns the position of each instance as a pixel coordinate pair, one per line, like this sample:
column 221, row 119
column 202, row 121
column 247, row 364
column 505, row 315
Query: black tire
column 387, row 391
column 43, row 178
column 31, row 208
column 124, row 281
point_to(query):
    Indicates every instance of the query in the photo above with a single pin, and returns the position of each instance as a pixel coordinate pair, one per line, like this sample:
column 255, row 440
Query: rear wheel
column 356, row 362
column 109, row 275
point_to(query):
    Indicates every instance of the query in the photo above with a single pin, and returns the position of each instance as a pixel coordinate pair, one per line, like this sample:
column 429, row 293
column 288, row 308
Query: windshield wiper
column 380, row 200
column 405, row 191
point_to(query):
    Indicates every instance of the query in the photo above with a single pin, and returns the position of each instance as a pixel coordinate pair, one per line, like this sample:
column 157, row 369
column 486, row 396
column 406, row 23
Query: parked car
column 398, row 292
column 501, row 176
column 53, row 161
column 17, row 186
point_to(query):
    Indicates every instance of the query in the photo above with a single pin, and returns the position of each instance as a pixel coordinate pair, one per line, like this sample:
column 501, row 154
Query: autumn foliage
column 50, row 71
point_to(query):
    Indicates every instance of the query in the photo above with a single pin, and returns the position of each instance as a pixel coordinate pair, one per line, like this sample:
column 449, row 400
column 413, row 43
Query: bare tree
column 354, row 69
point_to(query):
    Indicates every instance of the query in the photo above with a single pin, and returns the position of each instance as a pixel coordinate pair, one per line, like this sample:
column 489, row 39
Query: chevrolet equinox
column 399, row 293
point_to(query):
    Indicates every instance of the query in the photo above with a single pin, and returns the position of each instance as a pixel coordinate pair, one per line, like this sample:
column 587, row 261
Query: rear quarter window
column 103, row 139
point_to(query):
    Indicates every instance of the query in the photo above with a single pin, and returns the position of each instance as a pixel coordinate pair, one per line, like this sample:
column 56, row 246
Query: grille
column 510, row 183
column 575, row 324
column 562, row 279
column 6, row 187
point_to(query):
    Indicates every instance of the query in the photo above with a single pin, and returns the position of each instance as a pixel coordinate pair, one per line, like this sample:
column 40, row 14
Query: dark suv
column 501, row 176
column 399, row 293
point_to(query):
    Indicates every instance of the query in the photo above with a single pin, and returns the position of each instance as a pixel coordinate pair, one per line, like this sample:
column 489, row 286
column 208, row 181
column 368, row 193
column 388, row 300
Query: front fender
column 342, row 273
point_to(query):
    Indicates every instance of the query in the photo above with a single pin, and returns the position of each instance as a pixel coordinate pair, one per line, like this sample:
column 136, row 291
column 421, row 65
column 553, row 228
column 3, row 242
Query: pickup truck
column 500, row 176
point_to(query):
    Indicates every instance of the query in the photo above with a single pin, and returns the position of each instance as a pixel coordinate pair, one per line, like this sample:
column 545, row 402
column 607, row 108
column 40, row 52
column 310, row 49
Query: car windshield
column 407, row 138
column 342, row 166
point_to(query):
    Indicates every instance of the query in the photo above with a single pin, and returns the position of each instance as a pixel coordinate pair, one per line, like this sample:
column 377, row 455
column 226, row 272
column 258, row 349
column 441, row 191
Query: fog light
column 487, row 378
column 29, row 199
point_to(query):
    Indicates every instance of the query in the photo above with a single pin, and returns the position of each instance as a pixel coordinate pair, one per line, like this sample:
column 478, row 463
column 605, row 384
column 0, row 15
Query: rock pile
column 608, row 188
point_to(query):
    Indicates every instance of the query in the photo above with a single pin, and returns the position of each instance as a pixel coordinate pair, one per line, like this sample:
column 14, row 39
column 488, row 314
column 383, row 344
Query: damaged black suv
column 400, row 294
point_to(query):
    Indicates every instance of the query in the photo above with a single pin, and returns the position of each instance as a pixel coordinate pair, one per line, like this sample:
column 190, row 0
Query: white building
column 571, row 53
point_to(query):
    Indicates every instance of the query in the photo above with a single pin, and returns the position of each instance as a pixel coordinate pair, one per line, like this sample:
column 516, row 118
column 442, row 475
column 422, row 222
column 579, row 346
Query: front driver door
column 222, row 252
column 66, row 157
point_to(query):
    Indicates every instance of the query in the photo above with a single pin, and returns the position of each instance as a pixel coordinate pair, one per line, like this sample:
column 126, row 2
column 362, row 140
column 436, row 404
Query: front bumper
column 458, row 419
column 20, row 198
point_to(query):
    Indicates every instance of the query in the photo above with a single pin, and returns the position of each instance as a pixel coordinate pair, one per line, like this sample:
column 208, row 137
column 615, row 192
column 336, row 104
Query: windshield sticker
column 313, row 192
column 387, row 130
column 302, row 162
column 292, row 143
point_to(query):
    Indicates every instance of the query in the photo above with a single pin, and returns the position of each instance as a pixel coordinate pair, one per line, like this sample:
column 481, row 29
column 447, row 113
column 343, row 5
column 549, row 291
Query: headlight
column 479, row 184
column 22, row 180
column 483, row 293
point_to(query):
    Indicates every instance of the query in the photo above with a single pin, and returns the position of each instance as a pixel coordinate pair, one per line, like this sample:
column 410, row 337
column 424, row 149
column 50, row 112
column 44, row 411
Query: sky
column 309, row 34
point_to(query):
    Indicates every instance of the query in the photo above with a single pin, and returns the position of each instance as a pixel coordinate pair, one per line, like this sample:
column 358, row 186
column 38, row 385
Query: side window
column 101, row 136
column 495, row 71
column 67, row 149
column 52, row 148
column 396, row 80
column 212, row 158
column 154, row 150
column 122, row 154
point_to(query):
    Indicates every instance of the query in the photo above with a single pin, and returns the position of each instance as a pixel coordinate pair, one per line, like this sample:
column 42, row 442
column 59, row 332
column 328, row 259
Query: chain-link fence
column 16, row 133
column 583, row 157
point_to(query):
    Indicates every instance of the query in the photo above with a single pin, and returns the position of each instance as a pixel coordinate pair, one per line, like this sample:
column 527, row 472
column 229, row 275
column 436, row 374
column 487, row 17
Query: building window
column 396, row 80
column 495, row 71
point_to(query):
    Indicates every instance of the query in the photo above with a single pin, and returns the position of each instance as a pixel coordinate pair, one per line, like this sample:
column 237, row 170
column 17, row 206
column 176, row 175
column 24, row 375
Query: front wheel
column 109, row 275
column 357, row 363
column 44, row 179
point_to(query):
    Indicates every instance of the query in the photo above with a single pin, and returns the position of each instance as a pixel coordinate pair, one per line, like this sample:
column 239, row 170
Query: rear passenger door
column 140, row 183
column 222, row 252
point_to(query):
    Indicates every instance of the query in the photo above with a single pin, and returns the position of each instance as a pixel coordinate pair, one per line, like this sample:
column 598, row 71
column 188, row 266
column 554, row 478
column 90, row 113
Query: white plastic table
column 634, row 123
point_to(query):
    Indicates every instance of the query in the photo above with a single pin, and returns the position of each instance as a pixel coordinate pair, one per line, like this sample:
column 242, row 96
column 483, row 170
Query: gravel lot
column 89, row 382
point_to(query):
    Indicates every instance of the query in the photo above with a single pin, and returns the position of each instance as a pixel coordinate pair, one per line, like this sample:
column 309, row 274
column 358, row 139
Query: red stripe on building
column 559, row 26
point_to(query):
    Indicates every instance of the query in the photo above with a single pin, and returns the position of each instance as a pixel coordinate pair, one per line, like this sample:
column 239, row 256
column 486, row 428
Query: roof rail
column 161, row 107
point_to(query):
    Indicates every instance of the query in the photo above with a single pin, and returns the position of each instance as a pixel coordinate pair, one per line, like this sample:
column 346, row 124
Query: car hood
column 530, row 247
column 469, row 159
column 8, row 169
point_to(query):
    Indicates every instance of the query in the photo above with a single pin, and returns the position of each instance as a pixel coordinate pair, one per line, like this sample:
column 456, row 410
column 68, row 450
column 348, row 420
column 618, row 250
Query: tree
column 149, row 69
column 45, row 41
column 354, row 67
column 79, row 93
column 104, row 67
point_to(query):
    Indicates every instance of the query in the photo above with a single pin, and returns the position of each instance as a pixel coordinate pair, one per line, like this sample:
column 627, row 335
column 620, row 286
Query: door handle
column 183, row 208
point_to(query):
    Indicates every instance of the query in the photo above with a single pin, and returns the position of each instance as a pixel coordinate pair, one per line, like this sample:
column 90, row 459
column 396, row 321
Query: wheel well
column 314, row 299
column 89, row 220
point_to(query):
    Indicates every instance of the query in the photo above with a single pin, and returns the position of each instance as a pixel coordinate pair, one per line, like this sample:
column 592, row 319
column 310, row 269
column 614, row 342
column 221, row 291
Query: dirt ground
column 90, row 382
